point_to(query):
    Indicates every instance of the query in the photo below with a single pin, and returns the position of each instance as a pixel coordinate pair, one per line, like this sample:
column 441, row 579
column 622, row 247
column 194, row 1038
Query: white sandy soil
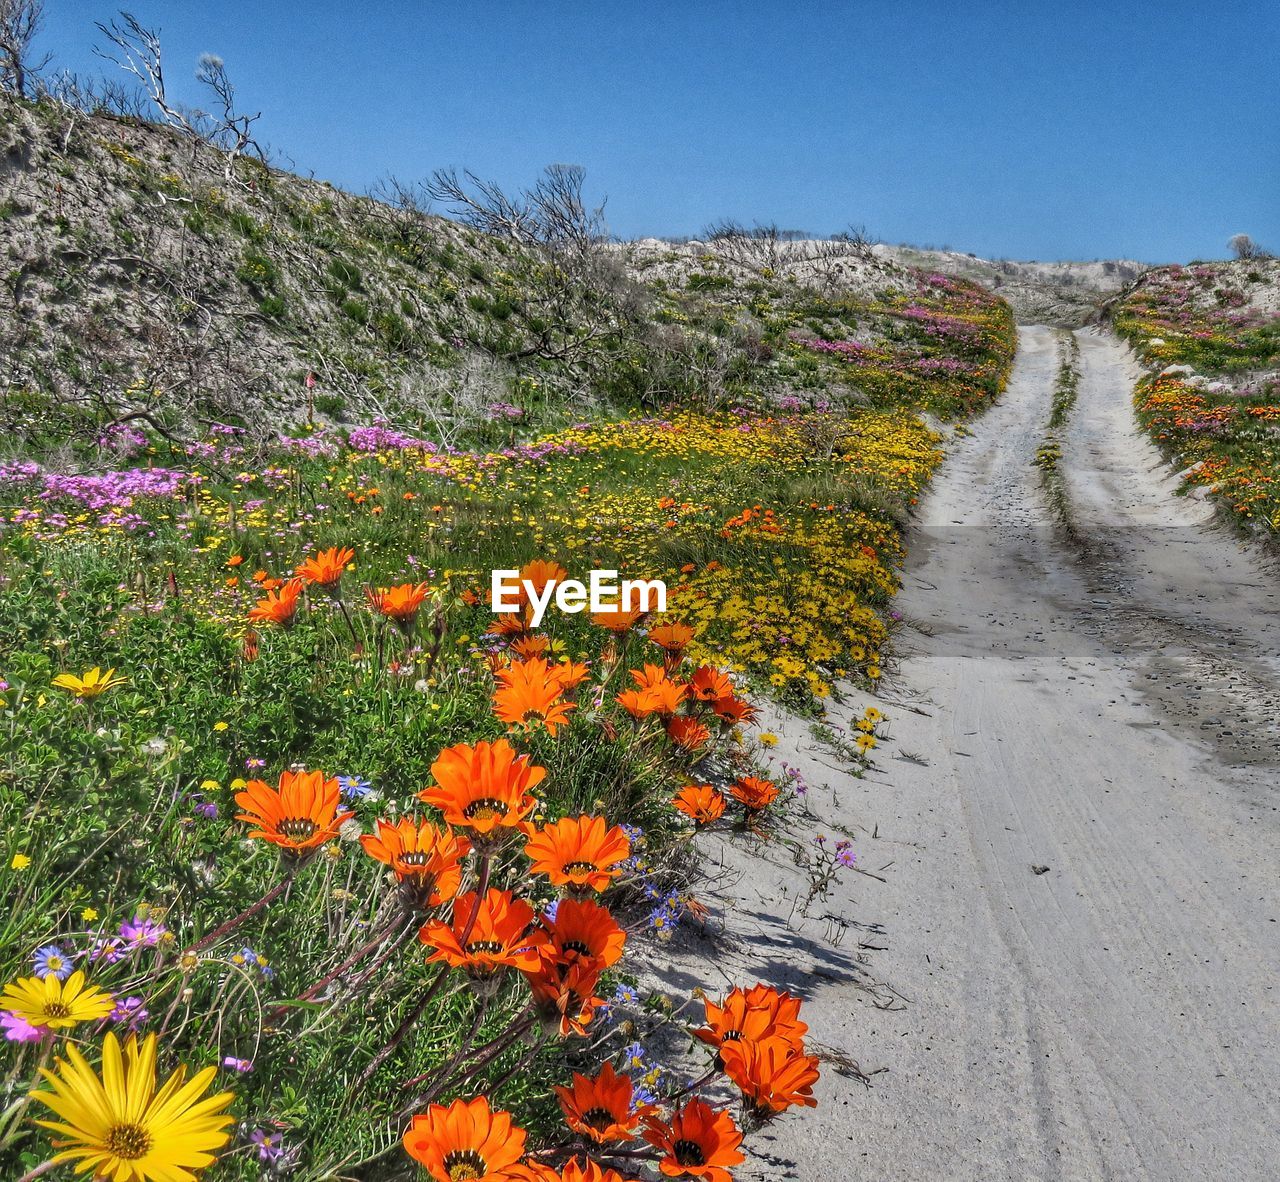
column 1103, row 703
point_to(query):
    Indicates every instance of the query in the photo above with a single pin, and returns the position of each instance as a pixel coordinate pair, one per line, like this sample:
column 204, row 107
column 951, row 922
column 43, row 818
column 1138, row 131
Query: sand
column 1108, row 713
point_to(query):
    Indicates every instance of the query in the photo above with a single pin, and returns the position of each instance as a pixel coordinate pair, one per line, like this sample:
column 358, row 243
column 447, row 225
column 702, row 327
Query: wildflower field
column 1212, row 334
column 318, row 867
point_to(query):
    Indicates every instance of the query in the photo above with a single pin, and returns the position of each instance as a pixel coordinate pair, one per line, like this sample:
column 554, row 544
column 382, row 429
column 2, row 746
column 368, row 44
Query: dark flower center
column 579, row 867
column 417, row 858
column 128, row 1142
column 577, row 946
column 689, row 1153
column 485, row 809
column 464, row 1164
column 56, row 1009
column 731, row 1036
column 297, row 828
column 598, row 1118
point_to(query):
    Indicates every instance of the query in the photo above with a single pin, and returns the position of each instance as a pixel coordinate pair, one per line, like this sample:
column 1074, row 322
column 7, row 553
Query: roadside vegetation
column 1211, row 334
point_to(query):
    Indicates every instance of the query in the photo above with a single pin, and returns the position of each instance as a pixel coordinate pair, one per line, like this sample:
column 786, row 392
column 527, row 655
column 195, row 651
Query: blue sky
column 1022, row 129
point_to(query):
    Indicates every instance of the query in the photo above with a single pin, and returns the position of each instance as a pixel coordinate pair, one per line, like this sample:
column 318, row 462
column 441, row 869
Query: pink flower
column 18, row 1029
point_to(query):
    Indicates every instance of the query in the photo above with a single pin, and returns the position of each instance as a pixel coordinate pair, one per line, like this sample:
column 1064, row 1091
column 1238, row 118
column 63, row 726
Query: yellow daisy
column 56, row 1004
column 90, row 684
column 121, row 1127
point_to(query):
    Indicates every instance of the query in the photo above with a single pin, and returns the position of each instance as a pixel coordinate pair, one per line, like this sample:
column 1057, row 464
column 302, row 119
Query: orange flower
column 565, row 996
column 325, row 568
column 601, row 1107
column 672, row 638
column 753, row 793
column 614, row 619
column 531, row 694
column 511, row 623
column 249, row 646
column 484, row 787
column 708, row 683
column 399, row 604
column 699, row 1141
column 649, row 676
column 701, row 802
column 581, row 853
column 688, row 733
column 752, row 1015
column 539, row 574
column 299, row 815
column 583, row 931
column 570, row 675
column 426, row 858
column 772, row 1073
column 584, row 1170
column 532, row 645
column 466, row 1141
column 731, row 710
column 501, row 935
column 235, row 560
column 638, row 703
column 280, row 606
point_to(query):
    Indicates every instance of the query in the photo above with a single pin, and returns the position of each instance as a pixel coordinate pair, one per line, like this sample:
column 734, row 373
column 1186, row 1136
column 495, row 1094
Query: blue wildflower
column 51, row 959
column 354, row 787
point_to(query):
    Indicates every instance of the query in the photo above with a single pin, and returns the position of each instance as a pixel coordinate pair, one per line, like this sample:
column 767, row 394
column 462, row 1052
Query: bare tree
column 137, row 52
column 1244, row 247
column 767, row 249
column 229, row 129
column 19, row 23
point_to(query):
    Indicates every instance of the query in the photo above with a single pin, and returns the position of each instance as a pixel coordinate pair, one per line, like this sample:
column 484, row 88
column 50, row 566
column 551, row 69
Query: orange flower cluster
column 759, row 1040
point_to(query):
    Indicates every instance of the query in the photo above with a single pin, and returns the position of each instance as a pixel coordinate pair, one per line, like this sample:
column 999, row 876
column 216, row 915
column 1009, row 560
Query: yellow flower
column 237, row 784
column 865, row 743
column 122, row 1127
column 89, row 685
column 89, row 914
column 768, row 739
column 220, row 726
column 56, row 1004
column 20, row 862
column 209, row 785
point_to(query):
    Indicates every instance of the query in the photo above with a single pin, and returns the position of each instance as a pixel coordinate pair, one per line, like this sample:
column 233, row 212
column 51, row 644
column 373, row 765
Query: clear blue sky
column 1023, row 128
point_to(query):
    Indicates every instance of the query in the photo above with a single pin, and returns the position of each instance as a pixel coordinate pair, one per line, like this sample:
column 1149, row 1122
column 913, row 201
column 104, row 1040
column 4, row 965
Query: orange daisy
column 752, row 1015
column 280, row 606
column 565, row 995
column 466, row 1142
column 584, row 1170
column 698, row 1141
column 424, row 857
column 399, row 604
column 601, row 1107
column 540, row 573
column 570, row 675
column 299, row 815
column 502, row 934
column 732, row 710
column 753, row 793
column 616, row 620
column 688, row 733
column 709, row 683
column 529, row 694
column 700, row 802
column 672, row 638
column 325, row 568
column 532, row 645
column 583, row 931
column 483, row 787
column 581, row 853
column 772, row 1073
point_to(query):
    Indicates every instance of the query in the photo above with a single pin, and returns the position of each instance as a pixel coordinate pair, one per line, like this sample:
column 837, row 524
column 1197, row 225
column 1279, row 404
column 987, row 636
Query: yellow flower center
column 128, row 1142
column 463, row 1165
column 485, row 809
column 572, row 868
column 56, row 1009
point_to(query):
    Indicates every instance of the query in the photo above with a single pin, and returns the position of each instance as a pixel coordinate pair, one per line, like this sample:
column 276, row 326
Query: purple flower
column 353, row 787
column 130, row 1011
column 231, row 1063
column 142, row 933
column 269, row 1146
column 18, row 1029
column 51, row 959
column 846, row 856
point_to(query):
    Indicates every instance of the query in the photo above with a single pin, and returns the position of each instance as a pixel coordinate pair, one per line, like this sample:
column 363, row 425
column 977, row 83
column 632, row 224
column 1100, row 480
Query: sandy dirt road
column 1100, row 707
